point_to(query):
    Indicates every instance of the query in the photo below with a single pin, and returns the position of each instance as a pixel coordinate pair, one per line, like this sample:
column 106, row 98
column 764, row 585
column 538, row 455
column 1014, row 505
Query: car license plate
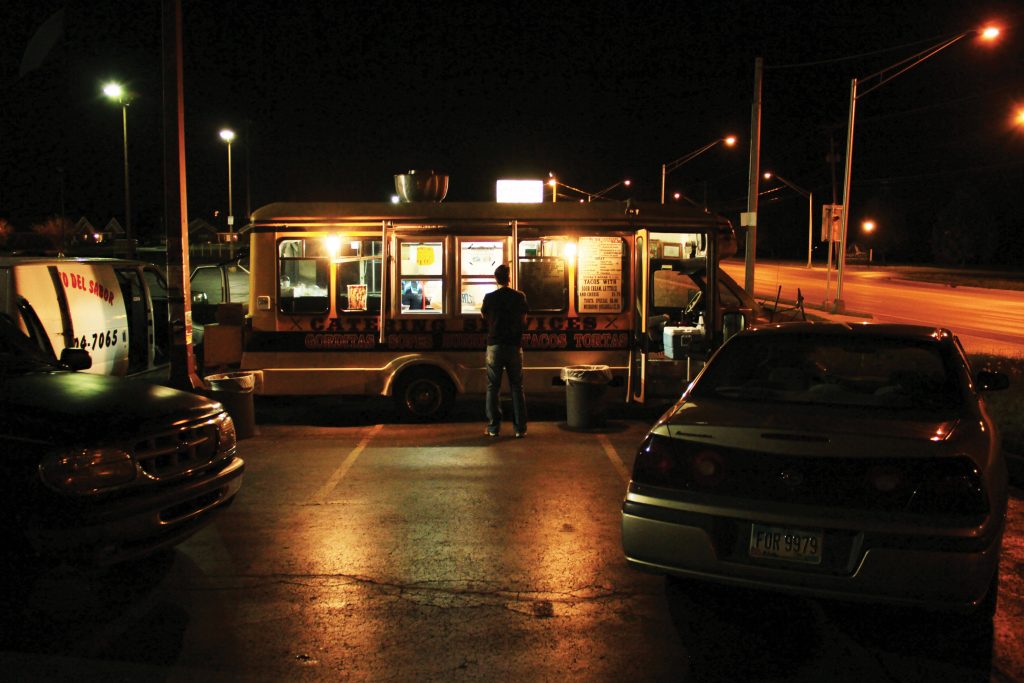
column 795, row 545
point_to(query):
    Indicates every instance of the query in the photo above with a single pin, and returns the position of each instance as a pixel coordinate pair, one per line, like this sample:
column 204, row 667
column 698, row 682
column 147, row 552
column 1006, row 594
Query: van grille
column 174, row 452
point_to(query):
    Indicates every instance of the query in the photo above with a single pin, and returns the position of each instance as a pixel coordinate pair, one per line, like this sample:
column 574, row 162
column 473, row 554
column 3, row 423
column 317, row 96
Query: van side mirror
column 75, row 359
column 988, row 380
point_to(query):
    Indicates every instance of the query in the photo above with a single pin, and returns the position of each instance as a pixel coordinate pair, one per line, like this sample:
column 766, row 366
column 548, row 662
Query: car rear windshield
column 869, row 371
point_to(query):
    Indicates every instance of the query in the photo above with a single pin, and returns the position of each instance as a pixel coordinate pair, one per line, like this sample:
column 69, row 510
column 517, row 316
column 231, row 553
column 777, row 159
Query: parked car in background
column 102, row 469
column 839, row 461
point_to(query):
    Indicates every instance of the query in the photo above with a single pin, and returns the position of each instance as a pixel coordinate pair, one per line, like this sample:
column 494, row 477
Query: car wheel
column 423, row 394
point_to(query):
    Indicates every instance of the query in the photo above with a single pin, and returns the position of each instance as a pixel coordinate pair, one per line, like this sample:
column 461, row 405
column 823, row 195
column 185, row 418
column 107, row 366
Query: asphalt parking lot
column 361, row 548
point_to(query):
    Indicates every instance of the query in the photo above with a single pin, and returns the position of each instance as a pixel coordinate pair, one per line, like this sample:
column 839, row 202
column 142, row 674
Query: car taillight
column 707, row 468
column 89, row 470
column 664, row 461
column 885, row 478
column 950, row 487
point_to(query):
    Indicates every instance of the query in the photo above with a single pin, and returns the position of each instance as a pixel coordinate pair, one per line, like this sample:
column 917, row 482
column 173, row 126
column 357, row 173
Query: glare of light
column 627, row 183
column 569, row 251
column 676, row 195
column 227, row 135
column 767, row 175
column 395, row 199
column 869, row 226
column 990, row 33
column 552, row 182
column 113, row 90
column 1020, row 117
column 333, row 245
column 520, row 191
column 730, row 141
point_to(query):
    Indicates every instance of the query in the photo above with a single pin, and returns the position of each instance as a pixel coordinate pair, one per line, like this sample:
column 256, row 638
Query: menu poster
column 356, row 298
column 600, row 274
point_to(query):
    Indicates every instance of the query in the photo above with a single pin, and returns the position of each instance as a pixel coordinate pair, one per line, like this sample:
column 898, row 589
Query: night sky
column 330, row 99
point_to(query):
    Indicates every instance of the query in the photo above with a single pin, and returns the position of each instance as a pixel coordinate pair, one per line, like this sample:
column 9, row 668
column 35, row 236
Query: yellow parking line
column 321, row 495
column 613, row 456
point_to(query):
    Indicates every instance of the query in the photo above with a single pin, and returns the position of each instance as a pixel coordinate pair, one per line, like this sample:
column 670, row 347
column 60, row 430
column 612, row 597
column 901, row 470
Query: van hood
column 67, row 407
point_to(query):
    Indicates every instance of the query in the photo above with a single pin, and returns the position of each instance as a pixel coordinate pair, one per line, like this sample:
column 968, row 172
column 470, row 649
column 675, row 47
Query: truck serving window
column 358, row 275
column 543, row 275
column 421, row 283
column 477, row 262
column 303, row 276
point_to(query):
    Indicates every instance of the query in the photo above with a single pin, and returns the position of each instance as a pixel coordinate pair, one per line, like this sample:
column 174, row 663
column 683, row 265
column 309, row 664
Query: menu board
column 600, row 274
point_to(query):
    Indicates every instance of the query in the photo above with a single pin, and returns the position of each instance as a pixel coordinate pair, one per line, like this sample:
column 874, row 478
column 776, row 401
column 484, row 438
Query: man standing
column 505, row 310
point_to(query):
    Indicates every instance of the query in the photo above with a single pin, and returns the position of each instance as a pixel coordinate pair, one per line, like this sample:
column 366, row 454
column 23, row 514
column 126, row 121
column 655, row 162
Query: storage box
column 681, row 341
column 230, row 314
column 222, row 345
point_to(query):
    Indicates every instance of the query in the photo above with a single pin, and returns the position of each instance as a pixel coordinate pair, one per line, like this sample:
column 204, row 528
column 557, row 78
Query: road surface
column 986, row 320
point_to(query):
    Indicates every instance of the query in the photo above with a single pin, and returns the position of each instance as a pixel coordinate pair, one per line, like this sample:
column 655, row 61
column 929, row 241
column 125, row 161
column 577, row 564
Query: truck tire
column 423, row 394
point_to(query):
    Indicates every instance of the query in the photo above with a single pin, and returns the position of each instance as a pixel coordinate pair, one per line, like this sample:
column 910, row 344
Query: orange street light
column 728, row 141
column 868, row 226
column 878, row 79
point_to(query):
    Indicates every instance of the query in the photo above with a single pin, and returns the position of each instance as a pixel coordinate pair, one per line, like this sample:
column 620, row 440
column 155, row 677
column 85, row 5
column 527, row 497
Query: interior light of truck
column 569, row 251
column 88, row 470
column 333, row 244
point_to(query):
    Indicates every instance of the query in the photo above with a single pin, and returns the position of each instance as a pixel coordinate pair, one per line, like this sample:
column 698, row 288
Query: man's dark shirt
column 504, row 309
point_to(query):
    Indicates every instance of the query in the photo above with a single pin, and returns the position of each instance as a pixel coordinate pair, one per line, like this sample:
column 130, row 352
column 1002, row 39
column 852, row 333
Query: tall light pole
column 729, row 141
column 228, row 136
column 768, row 175
column 116, row 92
column 880, row 78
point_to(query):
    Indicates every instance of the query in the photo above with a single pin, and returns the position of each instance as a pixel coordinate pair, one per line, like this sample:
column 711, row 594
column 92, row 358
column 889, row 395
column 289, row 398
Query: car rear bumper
column 116, row 531
column 889, row 569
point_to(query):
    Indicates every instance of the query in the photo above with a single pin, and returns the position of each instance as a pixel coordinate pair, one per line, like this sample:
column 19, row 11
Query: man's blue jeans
column 509, row 359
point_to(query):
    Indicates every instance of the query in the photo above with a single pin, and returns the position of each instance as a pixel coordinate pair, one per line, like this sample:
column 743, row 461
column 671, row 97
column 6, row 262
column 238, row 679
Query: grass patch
column 967, row 278
column 1006, row 407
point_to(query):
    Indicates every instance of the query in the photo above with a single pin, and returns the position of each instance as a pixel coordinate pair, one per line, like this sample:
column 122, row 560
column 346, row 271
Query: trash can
column 235, row 391
column 585, row 387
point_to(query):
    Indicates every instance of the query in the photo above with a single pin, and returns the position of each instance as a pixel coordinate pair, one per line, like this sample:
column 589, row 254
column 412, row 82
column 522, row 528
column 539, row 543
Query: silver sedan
column 851, row 462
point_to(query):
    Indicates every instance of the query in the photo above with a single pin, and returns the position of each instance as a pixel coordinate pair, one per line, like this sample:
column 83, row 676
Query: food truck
column 384, row 299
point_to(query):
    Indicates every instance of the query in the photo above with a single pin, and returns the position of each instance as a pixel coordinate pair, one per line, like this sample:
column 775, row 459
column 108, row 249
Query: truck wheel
column 423, row 394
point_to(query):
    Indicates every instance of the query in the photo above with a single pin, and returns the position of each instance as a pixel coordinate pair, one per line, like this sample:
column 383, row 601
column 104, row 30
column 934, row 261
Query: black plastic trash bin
column 235, row 391
column 585, row 387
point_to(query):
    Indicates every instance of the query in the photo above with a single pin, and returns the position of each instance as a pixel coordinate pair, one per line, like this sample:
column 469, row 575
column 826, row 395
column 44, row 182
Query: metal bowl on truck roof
column 421, row 186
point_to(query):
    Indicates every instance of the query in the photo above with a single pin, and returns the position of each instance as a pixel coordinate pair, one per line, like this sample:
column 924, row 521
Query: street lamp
column 884, row 76
column 228, row 136
column 868, row 227
column 768, row 175
column 729, row 141
column 116, row 92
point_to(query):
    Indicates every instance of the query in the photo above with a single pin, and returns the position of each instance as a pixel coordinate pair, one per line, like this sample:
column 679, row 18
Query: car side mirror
column 75, row 359
column 989, row 380
column 732, row 323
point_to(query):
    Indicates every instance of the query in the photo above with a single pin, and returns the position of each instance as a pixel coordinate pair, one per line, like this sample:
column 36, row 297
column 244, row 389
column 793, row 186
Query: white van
column 115, row 309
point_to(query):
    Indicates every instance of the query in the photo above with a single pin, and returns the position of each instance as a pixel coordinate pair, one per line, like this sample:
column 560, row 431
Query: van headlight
column 226, row 437
column 88, row 470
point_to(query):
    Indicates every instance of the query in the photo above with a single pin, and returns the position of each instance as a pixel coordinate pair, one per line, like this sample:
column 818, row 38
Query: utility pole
column 749, row 219
column 183, row 361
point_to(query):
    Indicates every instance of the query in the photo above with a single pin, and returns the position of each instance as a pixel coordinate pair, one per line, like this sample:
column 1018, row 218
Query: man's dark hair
column 501, row 274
